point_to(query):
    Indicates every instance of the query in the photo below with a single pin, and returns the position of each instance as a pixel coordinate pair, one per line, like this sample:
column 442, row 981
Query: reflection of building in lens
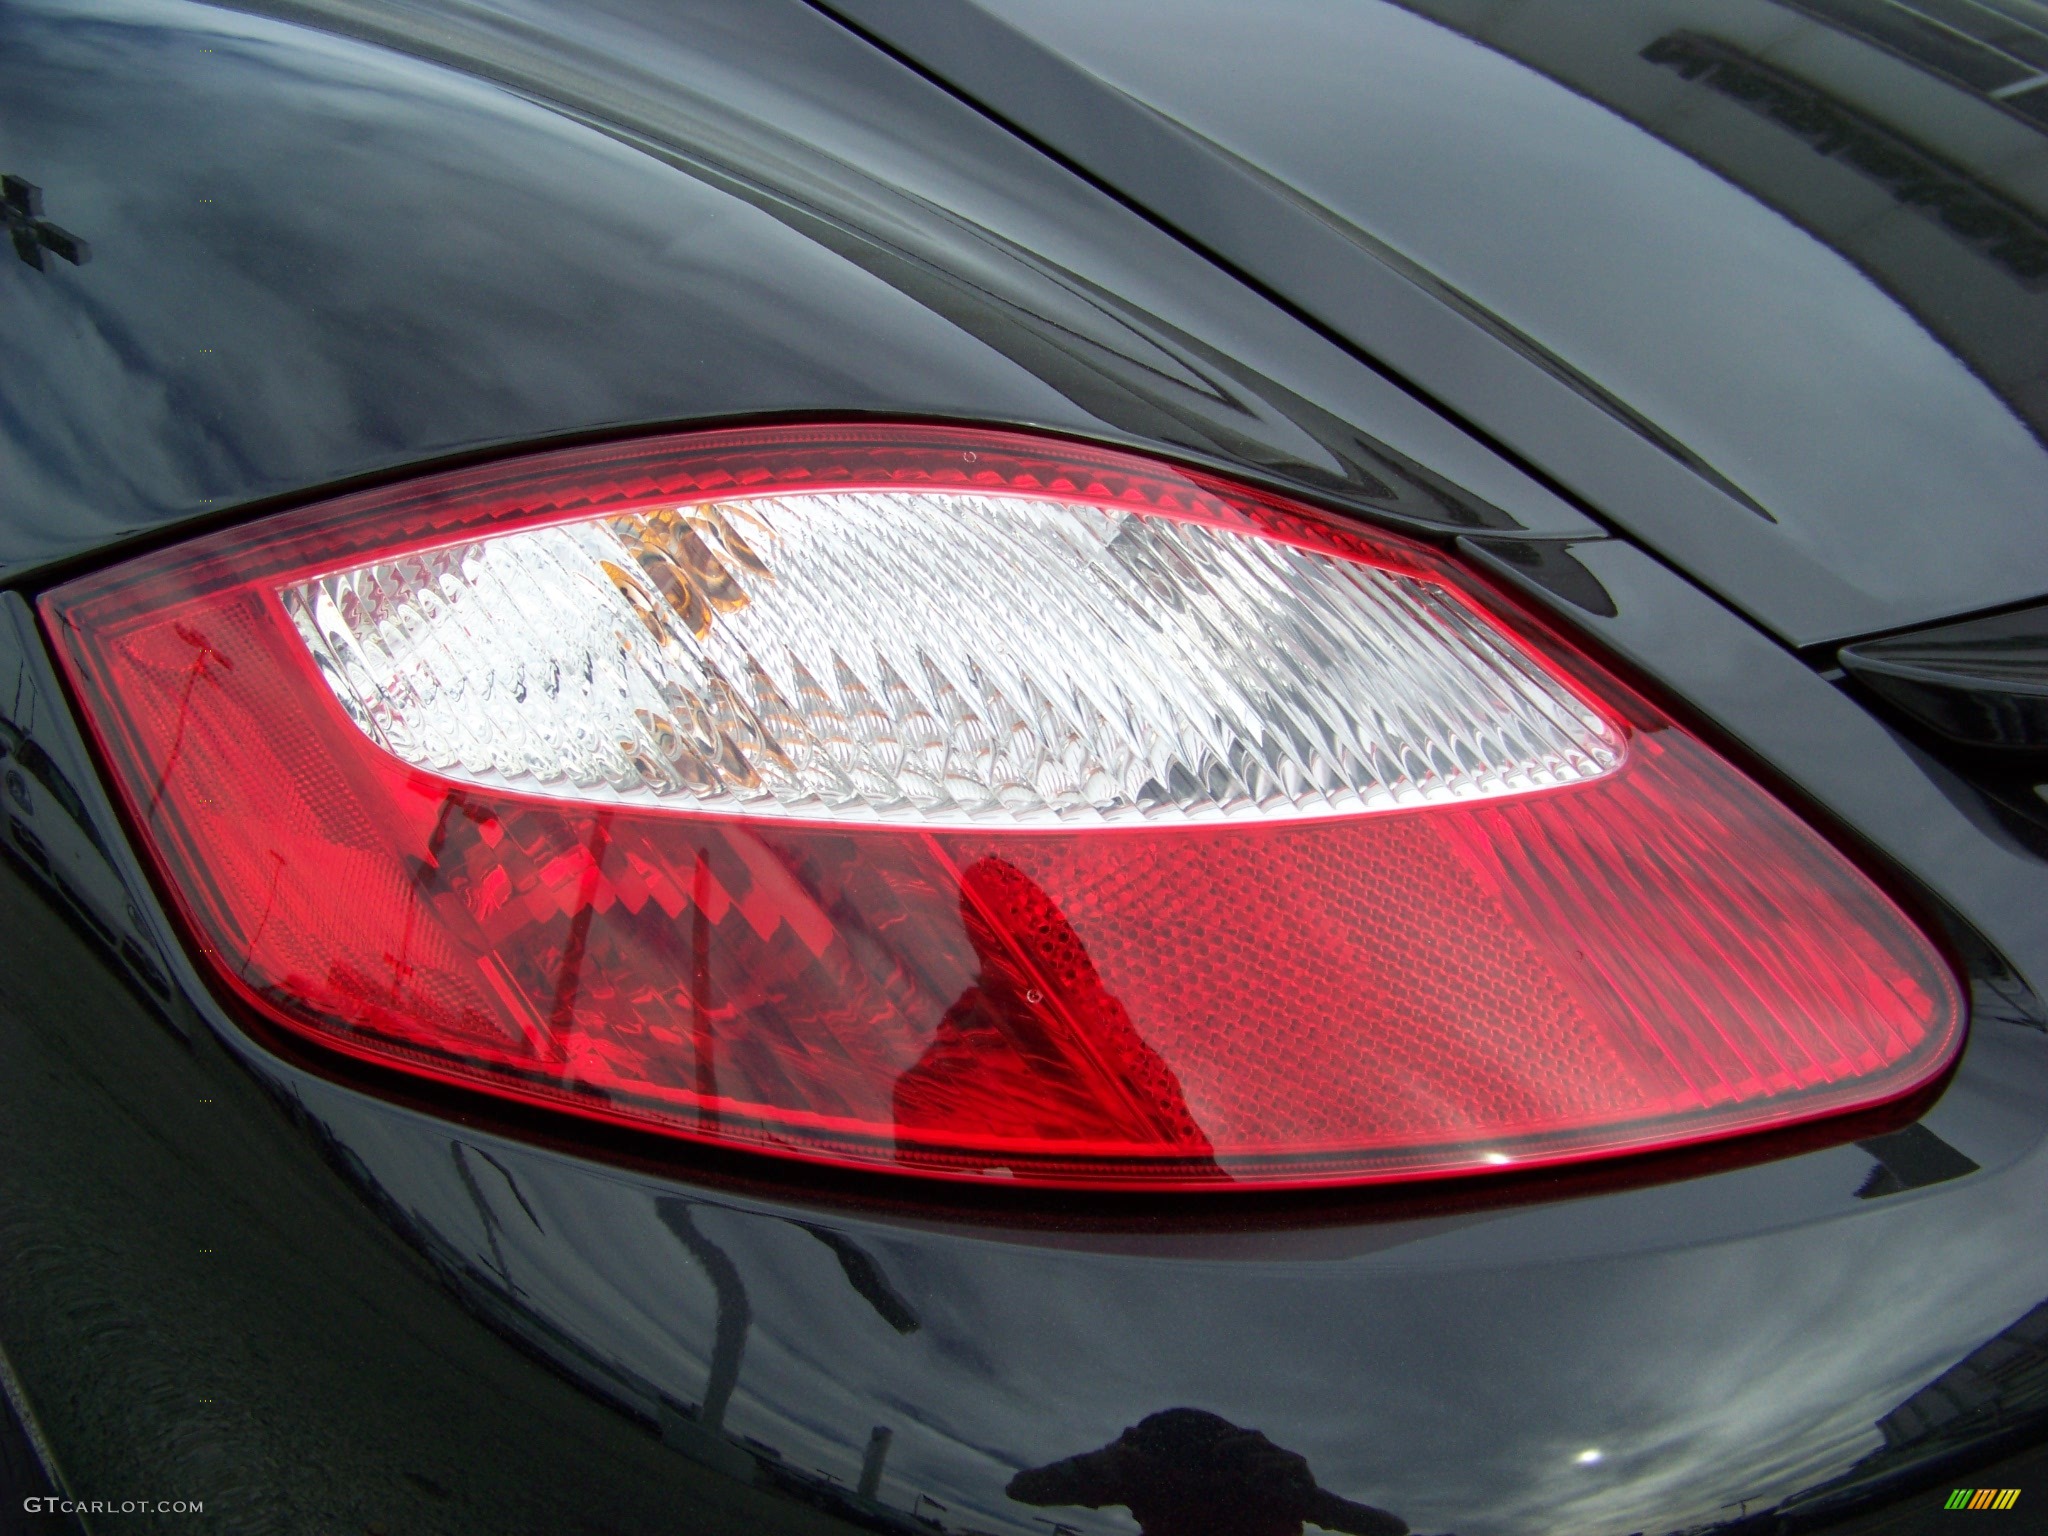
column 1037, row 1050
column 1184, row 1472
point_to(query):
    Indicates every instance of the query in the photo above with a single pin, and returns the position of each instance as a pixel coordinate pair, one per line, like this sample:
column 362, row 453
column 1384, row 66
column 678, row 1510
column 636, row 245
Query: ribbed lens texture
column 940, row 659
column 1013, row 769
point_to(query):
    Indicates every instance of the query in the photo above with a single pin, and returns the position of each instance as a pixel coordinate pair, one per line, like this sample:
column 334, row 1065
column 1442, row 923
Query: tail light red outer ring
column 102, row 623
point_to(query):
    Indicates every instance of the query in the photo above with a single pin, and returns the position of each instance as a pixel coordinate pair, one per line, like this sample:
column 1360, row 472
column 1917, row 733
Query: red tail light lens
column 974, row 805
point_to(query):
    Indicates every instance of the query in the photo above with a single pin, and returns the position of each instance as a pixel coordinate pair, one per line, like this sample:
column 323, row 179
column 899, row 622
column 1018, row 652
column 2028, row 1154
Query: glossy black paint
column 317, row 259
column 1983, row 682
column 322, row 1306
column 1582, row 246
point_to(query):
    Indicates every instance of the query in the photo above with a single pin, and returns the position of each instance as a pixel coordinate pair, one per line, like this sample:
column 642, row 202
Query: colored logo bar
column 1983, row 1498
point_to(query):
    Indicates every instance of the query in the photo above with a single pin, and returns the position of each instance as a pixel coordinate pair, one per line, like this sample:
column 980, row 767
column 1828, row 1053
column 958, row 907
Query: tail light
column 974, row 805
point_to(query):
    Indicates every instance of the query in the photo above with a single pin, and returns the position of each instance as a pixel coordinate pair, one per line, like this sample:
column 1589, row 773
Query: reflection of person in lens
column 1184, row 1472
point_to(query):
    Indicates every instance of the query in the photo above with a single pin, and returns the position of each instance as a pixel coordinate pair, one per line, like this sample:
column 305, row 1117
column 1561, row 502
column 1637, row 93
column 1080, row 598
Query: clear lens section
column 940, row 659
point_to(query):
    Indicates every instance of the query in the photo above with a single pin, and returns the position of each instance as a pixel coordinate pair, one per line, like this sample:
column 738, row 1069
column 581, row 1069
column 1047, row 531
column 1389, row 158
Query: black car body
column 1717, row 327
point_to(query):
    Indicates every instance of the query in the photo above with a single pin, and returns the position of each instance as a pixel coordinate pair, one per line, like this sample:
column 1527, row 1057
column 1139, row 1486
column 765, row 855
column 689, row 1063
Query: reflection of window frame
column 2003, row 231
column 1893, row 24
